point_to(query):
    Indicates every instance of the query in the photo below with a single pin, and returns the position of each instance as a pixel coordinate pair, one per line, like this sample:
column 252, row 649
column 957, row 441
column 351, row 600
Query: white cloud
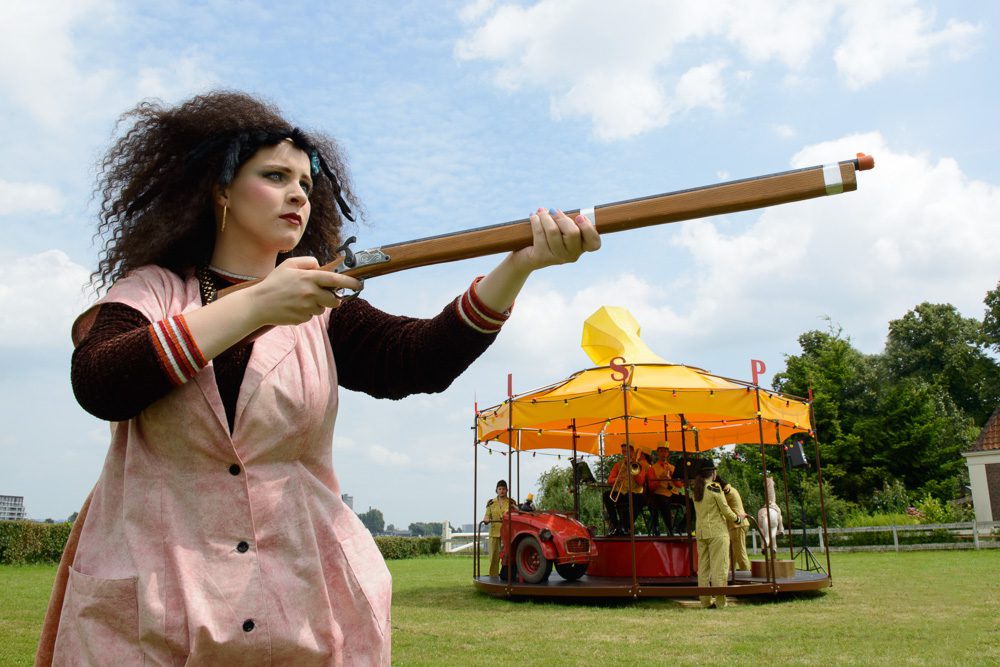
column 345, row 443
column 475, row 10
column 885, row 37
column 54, row 78
column 916, row 230
column 545, row 334
column 784, row 30
column 598, row 59
column 36, row 41
column 620, row 105
column 702, row 86
column 783, row 131
column 384, row 456
column 29, row 198
column 40, row 297
column 629, row 65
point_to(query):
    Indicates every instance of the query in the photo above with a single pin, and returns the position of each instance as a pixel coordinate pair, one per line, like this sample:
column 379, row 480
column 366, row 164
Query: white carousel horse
column 769, row 519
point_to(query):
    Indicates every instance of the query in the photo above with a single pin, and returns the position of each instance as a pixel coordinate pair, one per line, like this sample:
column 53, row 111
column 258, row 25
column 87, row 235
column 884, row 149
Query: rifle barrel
column 729, row 197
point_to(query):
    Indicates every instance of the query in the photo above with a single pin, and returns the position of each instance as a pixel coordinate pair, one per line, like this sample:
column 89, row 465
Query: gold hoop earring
column 225, row 212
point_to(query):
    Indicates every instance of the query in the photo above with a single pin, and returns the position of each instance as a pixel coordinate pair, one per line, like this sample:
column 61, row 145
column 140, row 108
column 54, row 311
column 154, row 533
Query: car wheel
column 571, row 571
column 532, row 564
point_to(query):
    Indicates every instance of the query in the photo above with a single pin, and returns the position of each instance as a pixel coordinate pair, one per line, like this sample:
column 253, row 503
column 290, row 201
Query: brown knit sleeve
column 389, row 356
column 115, row 371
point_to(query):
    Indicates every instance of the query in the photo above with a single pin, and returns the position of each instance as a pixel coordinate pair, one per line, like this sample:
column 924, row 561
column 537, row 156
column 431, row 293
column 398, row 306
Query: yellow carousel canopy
column 650, row 403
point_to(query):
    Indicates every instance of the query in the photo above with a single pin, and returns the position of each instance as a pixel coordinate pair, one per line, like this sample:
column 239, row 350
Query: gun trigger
column 348, row 294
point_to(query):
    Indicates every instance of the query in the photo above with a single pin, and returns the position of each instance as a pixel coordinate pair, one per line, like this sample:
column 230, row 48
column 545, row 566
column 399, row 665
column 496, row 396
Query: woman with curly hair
column 216, row 534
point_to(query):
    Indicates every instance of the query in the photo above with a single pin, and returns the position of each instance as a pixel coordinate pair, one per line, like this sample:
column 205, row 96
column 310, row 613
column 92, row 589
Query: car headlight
column 545, row 534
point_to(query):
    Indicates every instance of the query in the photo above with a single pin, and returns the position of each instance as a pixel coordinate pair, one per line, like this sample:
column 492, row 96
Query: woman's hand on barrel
column 556, row 239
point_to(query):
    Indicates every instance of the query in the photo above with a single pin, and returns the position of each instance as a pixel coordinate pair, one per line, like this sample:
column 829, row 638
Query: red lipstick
column 292, row 217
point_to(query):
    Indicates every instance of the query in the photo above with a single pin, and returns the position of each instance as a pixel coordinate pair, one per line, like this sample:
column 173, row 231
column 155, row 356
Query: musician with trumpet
column 628, row 481
column 665, row 492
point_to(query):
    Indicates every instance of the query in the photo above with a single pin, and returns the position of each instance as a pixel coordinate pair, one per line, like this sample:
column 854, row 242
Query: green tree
column 916, row 435
column 844, row 382
column 556, row 494
column 934, row 343
column 373, row 520
column 991, row 321
column 906, row 414
column 742, row 469
column 429, row 529
column 892, row 498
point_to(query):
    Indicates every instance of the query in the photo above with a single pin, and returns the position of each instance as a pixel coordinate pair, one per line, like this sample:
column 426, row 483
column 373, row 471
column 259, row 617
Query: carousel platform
column 740, row 584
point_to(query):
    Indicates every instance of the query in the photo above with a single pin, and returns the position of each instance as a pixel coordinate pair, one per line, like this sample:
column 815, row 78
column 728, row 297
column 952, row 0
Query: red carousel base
column 665, row 568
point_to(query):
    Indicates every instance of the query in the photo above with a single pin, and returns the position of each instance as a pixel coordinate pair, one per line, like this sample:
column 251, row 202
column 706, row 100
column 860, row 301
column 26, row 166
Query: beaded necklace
column 206, row 282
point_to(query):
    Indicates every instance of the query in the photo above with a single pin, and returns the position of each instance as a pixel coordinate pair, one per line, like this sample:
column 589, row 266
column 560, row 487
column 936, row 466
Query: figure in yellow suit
column 496, row 508
column 738, row 532
column 714, row 517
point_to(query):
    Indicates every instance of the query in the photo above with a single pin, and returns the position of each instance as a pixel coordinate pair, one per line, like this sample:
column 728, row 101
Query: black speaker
column 584, row 472
column 796, row 456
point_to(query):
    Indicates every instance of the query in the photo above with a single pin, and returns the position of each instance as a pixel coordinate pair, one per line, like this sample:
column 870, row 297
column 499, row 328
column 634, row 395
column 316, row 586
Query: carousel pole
column 770, row 554
column 687, row 497
column 626, row 469
column 476, row 568
column 519, row 496
column 788, row 505
column 510, row 448
column 788, row 502
column 819, row 479
column 667, row 519
column 576, row 474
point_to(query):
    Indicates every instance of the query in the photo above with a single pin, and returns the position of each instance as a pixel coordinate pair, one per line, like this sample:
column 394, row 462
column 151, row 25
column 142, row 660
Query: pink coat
column 201, row 548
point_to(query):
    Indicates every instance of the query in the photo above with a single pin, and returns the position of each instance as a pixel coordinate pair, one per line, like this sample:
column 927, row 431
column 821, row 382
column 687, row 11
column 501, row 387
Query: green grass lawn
column 919, row 608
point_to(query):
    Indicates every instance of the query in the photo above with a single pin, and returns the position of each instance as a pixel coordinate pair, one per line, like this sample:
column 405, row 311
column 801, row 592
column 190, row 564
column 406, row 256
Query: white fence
column 965, row 535
column 455, row 543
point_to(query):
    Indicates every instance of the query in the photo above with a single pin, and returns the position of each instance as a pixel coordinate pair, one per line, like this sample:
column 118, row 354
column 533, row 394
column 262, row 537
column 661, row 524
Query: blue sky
column 462, row 114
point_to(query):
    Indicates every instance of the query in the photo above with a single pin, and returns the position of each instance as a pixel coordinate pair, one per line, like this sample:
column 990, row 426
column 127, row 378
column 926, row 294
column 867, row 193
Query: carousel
column 634, row 401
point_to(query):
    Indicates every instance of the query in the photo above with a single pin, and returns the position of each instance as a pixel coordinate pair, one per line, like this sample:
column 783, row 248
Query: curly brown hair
column 156, row 181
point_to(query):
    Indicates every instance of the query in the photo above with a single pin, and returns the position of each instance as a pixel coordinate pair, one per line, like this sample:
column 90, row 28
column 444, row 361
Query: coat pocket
column 99, row 623
column 371, row 577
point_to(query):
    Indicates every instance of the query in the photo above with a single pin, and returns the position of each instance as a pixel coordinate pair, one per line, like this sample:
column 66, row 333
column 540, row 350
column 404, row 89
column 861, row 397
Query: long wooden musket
column 742, row 195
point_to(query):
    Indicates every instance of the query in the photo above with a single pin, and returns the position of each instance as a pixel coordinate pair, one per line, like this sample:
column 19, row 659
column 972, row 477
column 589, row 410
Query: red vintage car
column 543, row 540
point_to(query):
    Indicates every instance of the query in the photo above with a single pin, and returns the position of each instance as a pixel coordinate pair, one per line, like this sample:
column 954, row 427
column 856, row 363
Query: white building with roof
column 983, row 460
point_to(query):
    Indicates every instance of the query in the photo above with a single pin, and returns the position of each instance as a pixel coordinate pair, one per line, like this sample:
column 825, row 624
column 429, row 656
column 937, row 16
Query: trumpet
column 622, row 482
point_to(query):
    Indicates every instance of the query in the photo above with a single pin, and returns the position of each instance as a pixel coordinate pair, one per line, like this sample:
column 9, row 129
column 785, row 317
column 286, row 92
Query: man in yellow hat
column 665, row 493
column 529, row 503
column 496, row 509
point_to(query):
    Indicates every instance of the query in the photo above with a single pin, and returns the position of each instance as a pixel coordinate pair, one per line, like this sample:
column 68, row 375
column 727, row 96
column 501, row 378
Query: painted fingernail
column 552, row 211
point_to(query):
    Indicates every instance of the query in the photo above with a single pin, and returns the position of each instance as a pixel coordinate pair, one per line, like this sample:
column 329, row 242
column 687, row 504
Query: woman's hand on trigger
column 296, row 291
